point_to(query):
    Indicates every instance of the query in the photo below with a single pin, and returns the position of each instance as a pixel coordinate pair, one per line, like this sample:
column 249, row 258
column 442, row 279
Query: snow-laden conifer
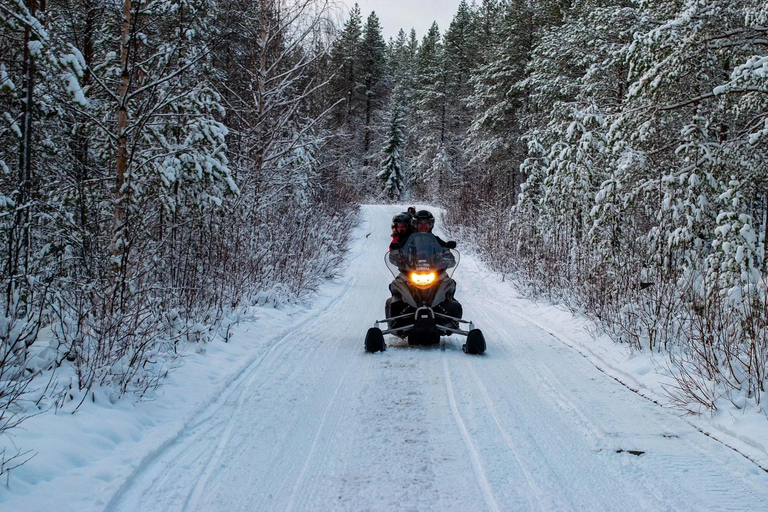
column 430, row 114
column 392, row 173
column 373, row 67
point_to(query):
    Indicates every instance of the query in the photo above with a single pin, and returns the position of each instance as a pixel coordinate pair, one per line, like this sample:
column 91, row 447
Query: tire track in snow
column 304, row 332
column 193, row 496
column 598, row 432
column 248, row 390
column 206, row 415
column 593, row 432
column 491, row 408
column 604, row 438
column 566, row 402
column 590, row 357
column 320, row 429
column 477, row 464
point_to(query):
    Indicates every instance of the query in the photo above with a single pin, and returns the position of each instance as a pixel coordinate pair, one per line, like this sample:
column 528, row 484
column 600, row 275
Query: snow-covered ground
column 292, row 414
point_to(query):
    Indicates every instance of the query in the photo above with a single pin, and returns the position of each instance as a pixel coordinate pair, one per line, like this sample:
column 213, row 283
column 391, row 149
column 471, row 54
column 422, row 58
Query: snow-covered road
column 315, row 423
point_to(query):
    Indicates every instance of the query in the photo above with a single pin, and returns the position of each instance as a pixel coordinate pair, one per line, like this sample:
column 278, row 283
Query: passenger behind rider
column 402, row 228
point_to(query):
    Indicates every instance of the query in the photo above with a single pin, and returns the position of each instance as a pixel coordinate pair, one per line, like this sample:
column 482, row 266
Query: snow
column 6, row 84
column 291, row 414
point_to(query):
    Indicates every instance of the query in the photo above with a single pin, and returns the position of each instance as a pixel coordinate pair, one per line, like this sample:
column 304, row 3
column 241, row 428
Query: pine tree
column 413, row 46
column 462, row 52
column 346, row 63
column 430, row 110
column 488, row 20
column 399, row 63
column 373, row 68
column 392, row 173
column 28, row 61
column 494, row 139
column 461, row 58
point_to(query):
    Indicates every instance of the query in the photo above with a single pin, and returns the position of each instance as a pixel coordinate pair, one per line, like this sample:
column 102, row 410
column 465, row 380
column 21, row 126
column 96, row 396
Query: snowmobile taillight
column 423, row 279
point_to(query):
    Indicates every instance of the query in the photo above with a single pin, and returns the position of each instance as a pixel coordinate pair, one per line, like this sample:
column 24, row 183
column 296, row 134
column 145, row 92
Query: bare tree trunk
column 81, row 141
column 122, row 120
column 350, row 92
column 19, row 236
column 765, row 229
column 261, row 82
column 368, row 110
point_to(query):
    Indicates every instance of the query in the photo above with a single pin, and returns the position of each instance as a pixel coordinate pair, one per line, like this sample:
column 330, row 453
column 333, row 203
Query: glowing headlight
column 423, row 279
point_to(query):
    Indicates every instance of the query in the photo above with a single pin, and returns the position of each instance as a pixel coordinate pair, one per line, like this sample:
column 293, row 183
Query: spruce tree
column 345, row 62
column 460, row 59
column 398, row 61
column 462, row 51
column 373, row 69
column 494, row 141
column 392, row 173
column 430, row 113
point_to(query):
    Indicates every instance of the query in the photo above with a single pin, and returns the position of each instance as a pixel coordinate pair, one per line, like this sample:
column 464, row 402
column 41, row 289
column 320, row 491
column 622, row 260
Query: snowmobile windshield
column 422, row 253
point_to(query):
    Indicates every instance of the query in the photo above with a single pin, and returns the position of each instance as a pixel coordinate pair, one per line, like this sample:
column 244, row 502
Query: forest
column 164, row 163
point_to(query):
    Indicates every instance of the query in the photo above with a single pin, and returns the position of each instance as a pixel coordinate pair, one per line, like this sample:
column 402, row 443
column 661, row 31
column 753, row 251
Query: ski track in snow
column 314, row 423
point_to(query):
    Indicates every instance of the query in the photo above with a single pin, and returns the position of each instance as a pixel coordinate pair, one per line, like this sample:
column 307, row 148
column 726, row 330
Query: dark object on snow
column 374, row 340
column 475, row 342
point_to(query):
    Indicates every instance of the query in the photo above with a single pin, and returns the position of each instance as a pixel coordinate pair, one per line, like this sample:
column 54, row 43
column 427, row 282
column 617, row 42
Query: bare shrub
column 115, row 337
column 19, row 327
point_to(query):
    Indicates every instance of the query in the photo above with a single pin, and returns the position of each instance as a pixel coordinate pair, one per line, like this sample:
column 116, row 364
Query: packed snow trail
column 315, row 423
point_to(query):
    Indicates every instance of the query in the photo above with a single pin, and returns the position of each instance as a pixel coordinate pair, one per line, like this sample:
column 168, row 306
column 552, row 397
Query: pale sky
column 407, row 14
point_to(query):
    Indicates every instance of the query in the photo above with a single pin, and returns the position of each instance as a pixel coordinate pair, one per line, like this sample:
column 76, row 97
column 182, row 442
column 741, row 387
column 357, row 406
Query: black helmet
column 404, row 218
column 425, row 216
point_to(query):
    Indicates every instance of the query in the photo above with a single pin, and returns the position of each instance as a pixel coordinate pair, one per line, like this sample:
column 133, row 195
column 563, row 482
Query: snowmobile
column 422, row 307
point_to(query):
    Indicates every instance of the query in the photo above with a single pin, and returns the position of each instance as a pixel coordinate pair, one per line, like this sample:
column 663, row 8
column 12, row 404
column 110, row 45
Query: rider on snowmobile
column 425, row 222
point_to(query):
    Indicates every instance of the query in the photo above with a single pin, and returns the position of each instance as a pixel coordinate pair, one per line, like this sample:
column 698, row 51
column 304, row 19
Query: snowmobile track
column 491, row 408
column 209, row 412
column 320, row 429
column 477, row 463
column 564, row 340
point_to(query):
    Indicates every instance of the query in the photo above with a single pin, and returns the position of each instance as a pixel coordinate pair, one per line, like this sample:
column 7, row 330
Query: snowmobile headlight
column 423, row 278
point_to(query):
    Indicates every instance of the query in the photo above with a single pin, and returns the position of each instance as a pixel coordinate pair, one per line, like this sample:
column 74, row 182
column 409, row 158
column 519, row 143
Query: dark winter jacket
column 442, row 242
column 399, row 239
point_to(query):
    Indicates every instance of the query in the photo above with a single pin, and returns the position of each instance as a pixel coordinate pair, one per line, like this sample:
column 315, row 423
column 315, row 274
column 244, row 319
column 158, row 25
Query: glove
column 451, row 244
